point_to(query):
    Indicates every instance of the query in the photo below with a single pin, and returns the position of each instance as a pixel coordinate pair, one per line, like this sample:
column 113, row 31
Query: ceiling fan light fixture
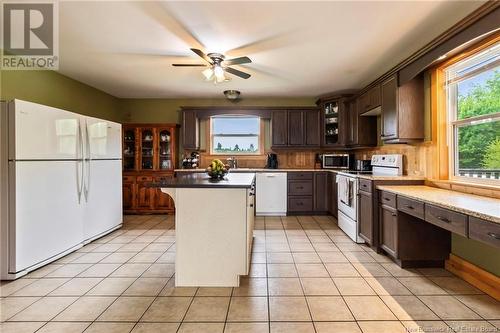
column 218, row 71
column 208, row 73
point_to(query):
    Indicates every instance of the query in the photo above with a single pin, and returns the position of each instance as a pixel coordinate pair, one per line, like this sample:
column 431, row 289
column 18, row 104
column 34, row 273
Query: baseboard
column 478, row 277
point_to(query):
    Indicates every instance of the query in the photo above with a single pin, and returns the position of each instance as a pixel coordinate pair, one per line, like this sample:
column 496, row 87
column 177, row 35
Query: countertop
column 474, row 205
column 363, row 176
column 201, row 180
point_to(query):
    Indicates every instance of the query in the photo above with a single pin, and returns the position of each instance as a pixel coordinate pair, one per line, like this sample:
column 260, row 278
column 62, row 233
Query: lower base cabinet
column 139, row 198
column 365, row 217
column 389, row 230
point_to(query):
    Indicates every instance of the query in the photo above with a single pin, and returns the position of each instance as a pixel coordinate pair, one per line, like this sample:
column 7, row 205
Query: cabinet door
column 147, row 151
column 279, row 128
column 165, row 149
column 374, row 99
column 296, row 128
column 144, row 196
column 332, row 198
column 128, row 196
column 312, row 127
column 352, row 123
column 366, row 216
column 389, row 230
column 190, row 130
column 389, row 109
column 321, row 192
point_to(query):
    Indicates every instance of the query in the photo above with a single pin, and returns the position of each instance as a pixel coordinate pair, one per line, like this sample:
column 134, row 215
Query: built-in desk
column 416, row 222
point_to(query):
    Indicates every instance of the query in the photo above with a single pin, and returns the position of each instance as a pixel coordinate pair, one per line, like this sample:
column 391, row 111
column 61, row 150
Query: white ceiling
column 298, row 49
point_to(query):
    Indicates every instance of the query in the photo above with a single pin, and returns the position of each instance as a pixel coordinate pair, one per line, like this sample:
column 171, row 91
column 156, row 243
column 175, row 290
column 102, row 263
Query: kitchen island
column 213, row 226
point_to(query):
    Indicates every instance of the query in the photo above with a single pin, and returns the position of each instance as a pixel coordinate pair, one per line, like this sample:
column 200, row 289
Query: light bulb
column 208, row 73
column 219, row 72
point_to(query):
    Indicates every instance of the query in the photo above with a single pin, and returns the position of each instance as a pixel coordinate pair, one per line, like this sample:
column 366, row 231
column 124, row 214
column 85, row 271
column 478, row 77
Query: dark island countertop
column 202, row 180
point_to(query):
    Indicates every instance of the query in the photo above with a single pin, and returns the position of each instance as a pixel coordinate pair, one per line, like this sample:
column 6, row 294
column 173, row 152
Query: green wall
column 167, row 110
column 56, row 90
column 477, row 253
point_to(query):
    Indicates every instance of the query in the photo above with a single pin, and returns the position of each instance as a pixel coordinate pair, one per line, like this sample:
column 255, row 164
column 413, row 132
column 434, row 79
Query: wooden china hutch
column 149, row 154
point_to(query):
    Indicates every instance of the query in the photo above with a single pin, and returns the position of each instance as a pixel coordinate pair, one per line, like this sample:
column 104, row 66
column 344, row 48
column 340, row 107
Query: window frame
column 260, row 145
column 453, row 123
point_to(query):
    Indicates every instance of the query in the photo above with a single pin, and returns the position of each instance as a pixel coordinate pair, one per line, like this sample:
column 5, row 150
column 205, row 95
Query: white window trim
column 259, row 138
column 452, row 126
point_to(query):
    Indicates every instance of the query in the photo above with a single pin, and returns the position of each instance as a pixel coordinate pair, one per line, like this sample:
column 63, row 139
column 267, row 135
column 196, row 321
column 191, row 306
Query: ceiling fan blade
column 236, row 72
column 189, row 65
column 202, row 55
column 237, row 61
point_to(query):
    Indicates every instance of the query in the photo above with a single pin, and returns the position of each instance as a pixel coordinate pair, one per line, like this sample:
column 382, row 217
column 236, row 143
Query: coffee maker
column 272, row 161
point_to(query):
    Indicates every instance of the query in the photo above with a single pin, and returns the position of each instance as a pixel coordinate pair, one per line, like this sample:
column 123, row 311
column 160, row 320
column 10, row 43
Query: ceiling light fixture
column 232, row 94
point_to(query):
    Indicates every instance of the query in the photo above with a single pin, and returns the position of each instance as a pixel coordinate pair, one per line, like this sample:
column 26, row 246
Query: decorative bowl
column 217, row 175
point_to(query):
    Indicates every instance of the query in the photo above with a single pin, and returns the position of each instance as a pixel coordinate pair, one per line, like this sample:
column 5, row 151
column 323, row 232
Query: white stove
column 347, row 184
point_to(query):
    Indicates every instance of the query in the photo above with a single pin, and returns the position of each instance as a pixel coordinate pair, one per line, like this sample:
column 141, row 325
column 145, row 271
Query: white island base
column 214, row 232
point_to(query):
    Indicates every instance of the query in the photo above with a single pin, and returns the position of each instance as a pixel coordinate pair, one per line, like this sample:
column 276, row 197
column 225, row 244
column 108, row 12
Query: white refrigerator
column 60, row 183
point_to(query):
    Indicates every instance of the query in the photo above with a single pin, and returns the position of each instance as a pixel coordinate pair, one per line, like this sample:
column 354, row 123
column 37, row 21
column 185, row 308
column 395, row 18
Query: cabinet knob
column 394, row 214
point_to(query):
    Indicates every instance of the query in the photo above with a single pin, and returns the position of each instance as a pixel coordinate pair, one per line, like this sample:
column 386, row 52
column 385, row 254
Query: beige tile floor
column 306, row 276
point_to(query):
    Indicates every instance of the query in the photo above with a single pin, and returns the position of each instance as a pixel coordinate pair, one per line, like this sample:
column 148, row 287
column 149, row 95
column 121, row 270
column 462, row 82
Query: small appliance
column 272, row 161
column 363, row 165
column 338, row 161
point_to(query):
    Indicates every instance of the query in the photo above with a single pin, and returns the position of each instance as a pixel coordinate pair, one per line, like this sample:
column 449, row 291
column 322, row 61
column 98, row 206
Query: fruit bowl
column 217, row 170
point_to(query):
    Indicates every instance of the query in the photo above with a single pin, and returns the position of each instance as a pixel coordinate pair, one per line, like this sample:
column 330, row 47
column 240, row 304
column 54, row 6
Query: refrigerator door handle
column 87, row 161
column 79, row 164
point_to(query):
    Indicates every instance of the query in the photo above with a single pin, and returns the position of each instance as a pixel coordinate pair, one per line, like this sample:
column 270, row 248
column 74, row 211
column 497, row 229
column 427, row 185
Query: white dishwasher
column 271, row 194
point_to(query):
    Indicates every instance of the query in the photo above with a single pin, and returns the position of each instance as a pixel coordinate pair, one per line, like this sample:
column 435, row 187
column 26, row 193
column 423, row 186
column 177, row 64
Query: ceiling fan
column 218, row 66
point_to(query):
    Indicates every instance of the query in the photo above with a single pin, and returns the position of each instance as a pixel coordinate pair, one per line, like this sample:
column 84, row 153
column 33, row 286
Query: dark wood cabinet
column 365, row 217
column 149, row 154
column 332, row 194
column 312, row 128
column 402, row 110
column 279, row 128
column 352, row 123
column 333, row 123
column 190, row 130
column 389, row 230
column 321, row 198
column 296, row 128
column 369, row 100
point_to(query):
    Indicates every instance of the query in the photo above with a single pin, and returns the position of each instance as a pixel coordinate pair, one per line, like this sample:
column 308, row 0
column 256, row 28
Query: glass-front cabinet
column 147, row 149
column 149, row 155
column 331, row 123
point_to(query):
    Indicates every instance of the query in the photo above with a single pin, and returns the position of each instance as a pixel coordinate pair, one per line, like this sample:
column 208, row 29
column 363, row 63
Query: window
column 235, row 135
column 473, row 109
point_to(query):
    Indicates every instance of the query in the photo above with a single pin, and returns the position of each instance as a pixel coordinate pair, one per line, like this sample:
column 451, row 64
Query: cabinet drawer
column 162, row 178
column 388, row 199
column 299, row 187
column 128, row 179
column 365, row 185
column 144, row 178
column 484, row 231
column 300, row 175
column 446, row 219
column 300, row 204
column 412, row 207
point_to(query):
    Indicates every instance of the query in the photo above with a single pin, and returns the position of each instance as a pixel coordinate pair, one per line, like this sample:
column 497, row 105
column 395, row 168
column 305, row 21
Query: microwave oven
column 337, row 161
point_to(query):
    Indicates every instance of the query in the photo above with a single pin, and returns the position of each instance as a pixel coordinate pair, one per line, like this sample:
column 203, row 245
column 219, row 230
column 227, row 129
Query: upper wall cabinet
column 333, row 123
column 361, row 131
column 190, row 130
column 295, row 128
column 402, row 109
column 369, row 100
